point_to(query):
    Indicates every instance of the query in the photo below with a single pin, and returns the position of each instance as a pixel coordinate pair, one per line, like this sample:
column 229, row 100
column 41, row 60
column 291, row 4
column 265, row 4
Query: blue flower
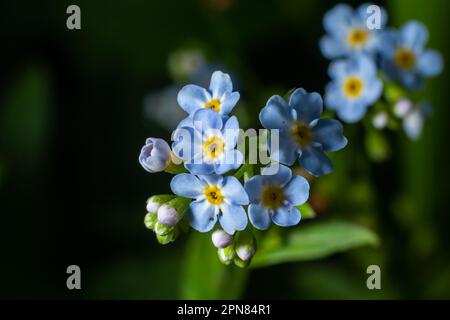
column 208, row 146
column 274, row 197
column 302, row 134
column 216, row 198
column 354, row 87
column 219, row 98
column 347, row 32
column 155, row 155
column 404, row 59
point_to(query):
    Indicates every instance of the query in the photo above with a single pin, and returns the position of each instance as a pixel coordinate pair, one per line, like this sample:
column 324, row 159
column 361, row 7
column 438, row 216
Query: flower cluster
column 214, row 189
column 369, row 60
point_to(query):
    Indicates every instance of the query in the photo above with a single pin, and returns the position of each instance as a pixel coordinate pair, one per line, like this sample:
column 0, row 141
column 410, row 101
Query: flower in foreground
column 220, row 97
column 155, row 155
column 216, row 198
column 404, row 58
column 210, row 145
column 303, row 135
column 275, row 197
column 347, row 32
column 354, row 87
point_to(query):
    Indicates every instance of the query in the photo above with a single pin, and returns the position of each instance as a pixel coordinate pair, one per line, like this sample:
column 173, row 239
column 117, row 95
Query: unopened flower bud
column 154, row 202
column 150, row 220
column 226, row 255
column 155, row 155
column 173, row 211
column 221, row 239
column 380, row 120
column 161, row 229
column 169, row 237
column 402, row 107
column 245, row 245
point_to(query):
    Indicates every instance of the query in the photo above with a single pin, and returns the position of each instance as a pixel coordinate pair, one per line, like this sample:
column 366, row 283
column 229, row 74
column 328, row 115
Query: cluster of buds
column 239, row 248
column 165, row 215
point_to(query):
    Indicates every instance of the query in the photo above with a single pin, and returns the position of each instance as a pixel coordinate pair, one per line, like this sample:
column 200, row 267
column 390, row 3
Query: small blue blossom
column 303, row 135
column 347, row 32
column 209, row 145
column 155, row 155
column 404, row 59
column 219, row 98
column 353, row 88
column 216, row 198
column 414, row 120
column 274, row 197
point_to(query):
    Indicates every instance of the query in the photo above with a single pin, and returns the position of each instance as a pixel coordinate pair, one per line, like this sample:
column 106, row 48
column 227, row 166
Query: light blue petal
column 232, row 218
column 281, row 178
column 259, row 216
column 276, row 114
column 430, row 63
column 411, row 80
column 373, row 91
column 187, row 122
column 254, row 187
column 200, row 168
column 297, row 191
column 329, row 133
column 207, row 119
column 187, row 185
column 315, row 162
column 220, row 84
column 363, row 15
column 414, row 35
column 351, row 112
column 413, row 124
column 331, row 47
column 228, row 102
column 286, row 216
column 337, row 19
column 201, row 216
column 233, row 191
column 286, row 152
column 231, row 160
column 212, row 180
column 365, row 65
column 308, row 105
column 388, row 40
column 192, row 98
column 338, row 69
column 231, row 132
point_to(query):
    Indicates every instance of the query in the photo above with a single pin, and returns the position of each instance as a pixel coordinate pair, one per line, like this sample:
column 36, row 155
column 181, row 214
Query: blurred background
column 77, row 105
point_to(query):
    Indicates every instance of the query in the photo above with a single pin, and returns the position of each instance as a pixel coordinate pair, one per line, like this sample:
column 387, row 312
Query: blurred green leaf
column 307, row 211
column 376, row 145
column 316, row 240
column 204, row 276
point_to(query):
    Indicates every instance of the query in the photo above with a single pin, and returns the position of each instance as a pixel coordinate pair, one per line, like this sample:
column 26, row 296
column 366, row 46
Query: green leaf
column 306, row 211
column 204, row 276
column 377, row 146
column 315, row 241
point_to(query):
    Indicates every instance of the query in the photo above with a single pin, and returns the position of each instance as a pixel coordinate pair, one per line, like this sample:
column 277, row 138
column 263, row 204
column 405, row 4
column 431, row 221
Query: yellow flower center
column 272, row 197
column 301, row 133
column 214, row 104
column 405, row 58
column 357, row 37
column 353, row 87
column 213, row 195
column 213, row 147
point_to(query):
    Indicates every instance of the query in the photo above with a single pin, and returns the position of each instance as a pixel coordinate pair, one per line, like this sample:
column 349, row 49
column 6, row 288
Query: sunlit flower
column 216, row 198
column 354, row 87
column 209, row 146
column 347, row 32
column 155, row 155
column 274, row 197
column 404, row 58
column 220, row 97
column 303, row 135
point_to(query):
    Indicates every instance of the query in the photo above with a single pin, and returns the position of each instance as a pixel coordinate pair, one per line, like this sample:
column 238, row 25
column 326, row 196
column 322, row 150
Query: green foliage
column 314, row 241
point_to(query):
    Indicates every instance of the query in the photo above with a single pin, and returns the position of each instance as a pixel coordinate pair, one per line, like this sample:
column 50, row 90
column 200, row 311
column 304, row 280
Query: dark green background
column 72, row 124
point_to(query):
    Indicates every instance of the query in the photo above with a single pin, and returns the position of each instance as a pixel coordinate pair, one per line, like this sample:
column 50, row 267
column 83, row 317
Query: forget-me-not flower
column 303, row 135
column 347, row 31
column 353, row 88
column 274, row 197
column 209, row 146
column 155, row 155
column 216, row 198
column 404, row 58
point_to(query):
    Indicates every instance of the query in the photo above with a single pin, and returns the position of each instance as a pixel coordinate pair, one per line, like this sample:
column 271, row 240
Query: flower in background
column 347, row 32
column 354, row 87
column 414, row 120
column 220, row 97
column 216, row 198
column 155, row 155
column 404, row 59
column 209, row 146
column 303, row 135
column 274, row 197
